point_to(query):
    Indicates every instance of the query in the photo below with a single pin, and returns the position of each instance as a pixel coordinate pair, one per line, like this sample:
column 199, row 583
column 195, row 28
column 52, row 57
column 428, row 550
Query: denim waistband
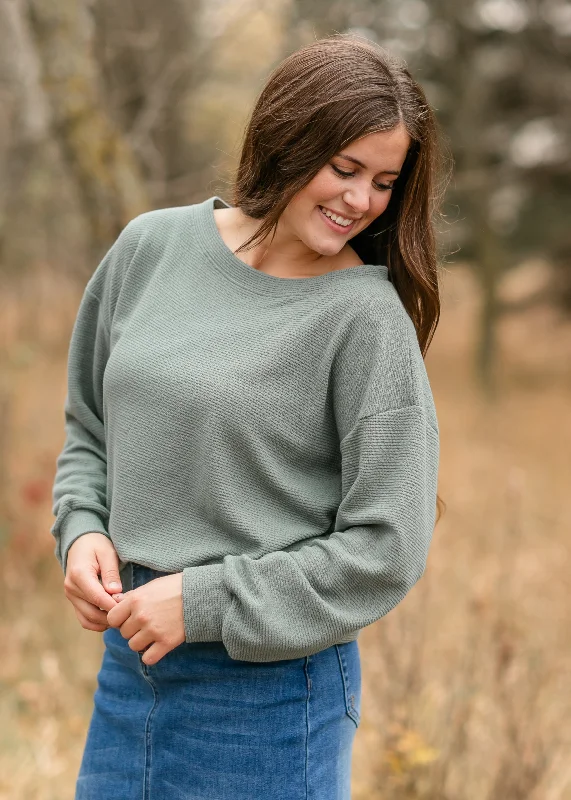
column 134, row 575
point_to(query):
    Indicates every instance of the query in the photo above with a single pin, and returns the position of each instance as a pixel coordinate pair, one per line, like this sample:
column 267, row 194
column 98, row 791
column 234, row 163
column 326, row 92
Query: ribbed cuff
column 75, row 524
column 205, row 601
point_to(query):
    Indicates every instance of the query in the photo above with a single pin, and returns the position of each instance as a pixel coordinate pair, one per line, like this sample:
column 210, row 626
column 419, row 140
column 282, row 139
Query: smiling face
column 354, row 186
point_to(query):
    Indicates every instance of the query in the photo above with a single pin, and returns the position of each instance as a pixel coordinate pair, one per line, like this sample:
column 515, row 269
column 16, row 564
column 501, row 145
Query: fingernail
column 114, row 585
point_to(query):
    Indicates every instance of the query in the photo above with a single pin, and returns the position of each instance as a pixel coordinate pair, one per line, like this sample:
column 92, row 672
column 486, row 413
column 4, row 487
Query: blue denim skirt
column 200, row 725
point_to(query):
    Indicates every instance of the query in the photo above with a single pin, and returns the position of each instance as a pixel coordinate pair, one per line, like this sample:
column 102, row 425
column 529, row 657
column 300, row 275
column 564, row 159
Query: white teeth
column 336, row 218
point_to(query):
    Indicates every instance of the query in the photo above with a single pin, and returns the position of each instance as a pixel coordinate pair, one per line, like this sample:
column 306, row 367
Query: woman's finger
column 87, row 624
column 82, row 581
column 121, row 612
column 130, row 627
column 90, row 612
column 155, row 652
column 140, row 640
column 108, row 561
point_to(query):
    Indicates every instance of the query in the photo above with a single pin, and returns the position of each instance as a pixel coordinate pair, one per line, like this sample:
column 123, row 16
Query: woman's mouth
column 336, row 226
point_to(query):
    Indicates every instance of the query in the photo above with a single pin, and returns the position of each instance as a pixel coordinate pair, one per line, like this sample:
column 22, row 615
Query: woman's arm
column 295, row 602
column 80, row 490
column 80, row 483
column 292, row 603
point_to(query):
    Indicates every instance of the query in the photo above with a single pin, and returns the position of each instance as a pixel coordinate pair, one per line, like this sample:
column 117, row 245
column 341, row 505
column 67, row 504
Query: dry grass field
column 463, row 684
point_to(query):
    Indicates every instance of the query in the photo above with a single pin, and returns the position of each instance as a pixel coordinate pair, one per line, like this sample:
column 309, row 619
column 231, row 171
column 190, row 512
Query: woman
column 252, row 445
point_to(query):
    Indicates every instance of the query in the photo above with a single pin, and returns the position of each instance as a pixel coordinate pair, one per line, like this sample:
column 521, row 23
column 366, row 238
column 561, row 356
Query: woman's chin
column 326, row 247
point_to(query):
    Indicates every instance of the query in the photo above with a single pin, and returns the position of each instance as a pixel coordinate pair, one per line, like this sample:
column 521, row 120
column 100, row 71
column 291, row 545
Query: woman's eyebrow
column 360, row 164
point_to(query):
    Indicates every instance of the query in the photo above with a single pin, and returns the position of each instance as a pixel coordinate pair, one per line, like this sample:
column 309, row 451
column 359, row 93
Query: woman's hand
column 91, row 555
column 151, row 616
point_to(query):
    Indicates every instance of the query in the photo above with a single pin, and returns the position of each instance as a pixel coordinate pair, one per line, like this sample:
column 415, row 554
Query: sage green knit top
column 273, row 439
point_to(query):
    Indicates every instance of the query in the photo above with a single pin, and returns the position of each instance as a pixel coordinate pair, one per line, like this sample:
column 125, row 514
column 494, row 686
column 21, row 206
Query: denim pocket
column 350, row 666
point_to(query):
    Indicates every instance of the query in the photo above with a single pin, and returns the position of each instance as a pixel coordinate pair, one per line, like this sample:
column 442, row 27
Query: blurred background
column 109, row 109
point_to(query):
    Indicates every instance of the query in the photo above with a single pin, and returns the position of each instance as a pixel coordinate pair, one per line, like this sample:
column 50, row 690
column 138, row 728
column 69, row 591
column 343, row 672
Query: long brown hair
column 321, row 98
column 317, row 100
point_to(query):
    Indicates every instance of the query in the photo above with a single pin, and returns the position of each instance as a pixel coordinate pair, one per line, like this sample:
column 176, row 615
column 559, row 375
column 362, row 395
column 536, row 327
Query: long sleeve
column 80, row 484
column 297, row 601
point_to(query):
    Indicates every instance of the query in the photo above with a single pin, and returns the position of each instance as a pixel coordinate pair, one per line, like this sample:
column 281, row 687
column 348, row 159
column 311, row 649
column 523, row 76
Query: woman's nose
column 357, row 199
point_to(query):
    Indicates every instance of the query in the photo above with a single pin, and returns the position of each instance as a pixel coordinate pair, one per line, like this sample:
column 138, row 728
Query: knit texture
column 273, row 439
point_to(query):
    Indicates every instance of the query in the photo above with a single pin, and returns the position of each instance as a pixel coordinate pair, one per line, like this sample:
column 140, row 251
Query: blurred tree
column 143, row 100
column 497, row 71
column 506, row 123
column 110, row 186
column 314, row 19
column 152, row 59
column 24, row 124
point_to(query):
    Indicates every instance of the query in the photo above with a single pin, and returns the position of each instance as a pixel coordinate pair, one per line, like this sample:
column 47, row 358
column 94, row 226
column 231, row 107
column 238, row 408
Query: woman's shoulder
column 160, row 221
column 151, row 233
column 373, row 307
column 378, row 347
column 139, row 247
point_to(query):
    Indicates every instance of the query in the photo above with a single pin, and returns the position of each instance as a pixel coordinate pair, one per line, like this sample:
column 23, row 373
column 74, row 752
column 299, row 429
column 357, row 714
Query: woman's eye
column 382, row 187
column 340, row 172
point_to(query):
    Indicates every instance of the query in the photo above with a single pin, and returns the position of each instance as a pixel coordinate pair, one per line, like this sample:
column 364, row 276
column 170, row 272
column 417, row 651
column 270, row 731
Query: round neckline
column 225, row 260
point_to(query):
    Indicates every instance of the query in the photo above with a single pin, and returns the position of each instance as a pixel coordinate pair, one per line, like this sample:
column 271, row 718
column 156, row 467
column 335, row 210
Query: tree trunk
column 109, row 184
column 151, row 62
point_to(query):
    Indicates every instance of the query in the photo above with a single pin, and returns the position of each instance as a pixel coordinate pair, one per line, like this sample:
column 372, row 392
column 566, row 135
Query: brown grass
column 463, row 692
